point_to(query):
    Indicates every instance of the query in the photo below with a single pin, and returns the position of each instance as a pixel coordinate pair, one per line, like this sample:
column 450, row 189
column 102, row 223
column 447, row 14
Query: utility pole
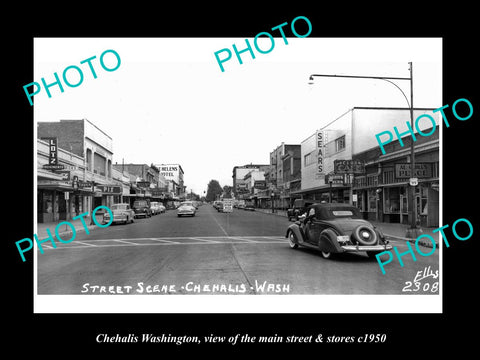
column 413, row 231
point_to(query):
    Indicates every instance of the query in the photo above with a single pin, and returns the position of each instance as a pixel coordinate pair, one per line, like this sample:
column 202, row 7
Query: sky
column 169, row 102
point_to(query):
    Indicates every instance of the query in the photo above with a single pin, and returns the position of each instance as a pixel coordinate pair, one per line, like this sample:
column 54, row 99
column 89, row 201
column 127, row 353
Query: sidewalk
column 65, row 230
column 390, row 230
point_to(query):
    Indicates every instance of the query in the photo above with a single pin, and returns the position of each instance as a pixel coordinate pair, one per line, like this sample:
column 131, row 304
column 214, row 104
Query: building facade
column 174, row 175
column 82, row 154
column 378, row 184
column 382, row 193
column 239, row 182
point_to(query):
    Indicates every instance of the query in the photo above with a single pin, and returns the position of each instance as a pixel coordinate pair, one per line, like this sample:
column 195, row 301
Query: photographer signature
column 416, row 284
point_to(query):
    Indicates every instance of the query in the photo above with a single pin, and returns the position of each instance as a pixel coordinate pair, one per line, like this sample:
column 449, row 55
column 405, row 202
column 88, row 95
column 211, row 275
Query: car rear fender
column 328, row 242
column 297, row 231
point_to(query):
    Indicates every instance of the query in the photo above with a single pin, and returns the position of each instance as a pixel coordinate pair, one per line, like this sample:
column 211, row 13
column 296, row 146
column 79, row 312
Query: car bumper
column 354, row 248
column 116, row 219
column 186, row 213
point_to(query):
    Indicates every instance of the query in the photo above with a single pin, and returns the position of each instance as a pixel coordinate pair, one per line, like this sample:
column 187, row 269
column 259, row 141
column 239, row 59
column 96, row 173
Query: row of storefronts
column 73, row 182
column 342, row 162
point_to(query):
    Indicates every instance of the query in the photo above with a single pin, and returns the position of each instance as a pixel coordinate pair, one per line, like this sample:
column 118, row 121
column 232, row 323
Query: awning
column 320, row 189
column 45, row 174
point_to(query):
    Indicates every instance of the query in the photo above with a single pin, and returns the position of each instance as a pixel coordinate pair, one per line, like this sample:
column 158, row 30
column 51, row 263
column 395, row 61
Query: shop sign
column 334, row 179
column 320, row 141
column 52, row 150
column 53, row 166
column 143, row 184
column 84, row 184
column 109, row 189
column 260, row 184
column 349, row 166
column 422, row 170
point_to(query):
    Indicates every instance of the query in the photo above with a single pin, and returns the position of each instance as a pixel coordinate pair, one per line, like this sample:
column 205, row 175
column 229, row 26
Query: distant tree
column 213, row 190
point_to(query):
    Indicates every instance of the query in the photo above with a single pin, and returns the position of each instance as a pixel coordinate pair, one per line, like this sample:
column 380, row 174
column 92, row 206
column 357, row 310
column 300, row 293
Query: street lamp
column 413, row 231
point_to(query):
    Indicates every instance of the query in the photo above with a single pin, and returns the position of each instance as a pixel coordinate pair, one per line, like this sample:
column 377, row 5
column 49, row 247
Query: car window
column 342, row 213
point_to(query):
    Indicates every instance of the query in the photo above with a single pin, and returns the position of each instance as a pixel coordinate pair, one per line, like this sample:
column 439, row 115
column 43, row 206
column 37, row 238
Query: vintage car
column 121, row 213
column 142, row 208
column 186, row 208
column 298, row 208
column 155, row 207
column 334, row 229
column 249, row 207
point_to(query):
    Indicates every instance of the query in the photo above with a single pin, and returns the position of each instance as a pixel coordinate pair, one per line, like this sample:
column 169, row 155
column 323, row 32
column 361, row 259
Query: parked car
column 186, row 208
column 299, row 207
column 155, row 207
column 162, row 208
column 249, row 207
column 142, row 208
column 122, row 213
column 336, row 228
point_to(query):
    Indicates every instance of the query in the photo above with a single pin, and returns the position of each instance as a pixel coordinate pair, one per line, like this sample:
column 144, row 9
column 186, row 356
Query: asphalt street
column 218, row 253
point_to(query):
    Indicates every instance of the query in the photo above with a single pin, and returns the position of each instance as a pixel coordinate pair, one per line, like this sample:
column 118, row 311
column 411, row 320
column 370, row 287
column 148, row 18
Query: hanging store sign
column 422, row 170
column 321, row 140
column 349, row 166
column 53, row 166
column 52, row 150
column 143, row 184
column 260, row 184
column 108, row 189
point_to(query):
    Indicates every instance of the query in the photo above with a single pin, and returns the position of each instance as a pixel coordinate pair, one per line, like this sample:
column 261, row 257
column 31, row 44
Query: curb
column 421, row 242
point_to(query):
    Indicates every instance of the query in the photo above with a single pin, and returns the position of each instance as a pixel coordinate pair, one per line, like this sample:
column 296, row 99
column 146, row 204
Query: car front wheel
column 292, row 240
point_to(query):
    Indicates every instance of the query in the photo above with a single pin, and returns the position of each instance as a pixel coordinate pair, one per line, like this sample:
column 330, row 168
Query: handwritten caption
column 421, row 281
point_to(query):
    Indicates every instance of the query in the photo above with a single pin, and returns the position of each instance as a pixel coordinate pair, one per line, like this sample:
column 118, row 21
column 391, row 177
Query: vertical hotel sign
column 52, row 151
column 321, row 140
column 52, row 155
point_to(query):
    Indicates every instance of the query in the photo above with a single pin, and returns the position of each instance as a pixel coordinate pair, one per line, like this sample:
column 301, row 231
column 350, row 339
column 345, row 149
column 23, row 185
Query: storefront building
column 382, row 193
column 378, row 183
column 60, row 196
column 85, row 152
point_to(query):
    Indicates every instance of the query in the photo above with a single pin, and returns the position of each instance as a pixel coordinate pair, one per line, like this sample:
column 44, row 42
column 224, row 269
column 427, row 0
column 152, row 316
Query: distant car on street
column 155, row 207
column 335, row 229
column 162, row 208
column 219, row 206
column 186, row 208
column 122, row 213
column 249, row 207
column 142, row 208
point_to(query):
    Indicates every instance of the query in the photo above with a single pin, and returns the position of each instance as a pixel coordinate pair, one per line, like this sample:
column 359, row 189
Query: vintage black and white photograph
column 269, row 174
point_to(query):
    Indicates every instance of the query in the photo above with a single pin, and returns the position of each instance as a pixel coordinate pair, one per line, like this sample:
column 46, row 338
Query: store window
column 372, row 200
column 391, row 197
column 340, row 143
column 89, row 160
column 99, row 164
column 422, row 192
column 361, row 201
column 309, row 159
